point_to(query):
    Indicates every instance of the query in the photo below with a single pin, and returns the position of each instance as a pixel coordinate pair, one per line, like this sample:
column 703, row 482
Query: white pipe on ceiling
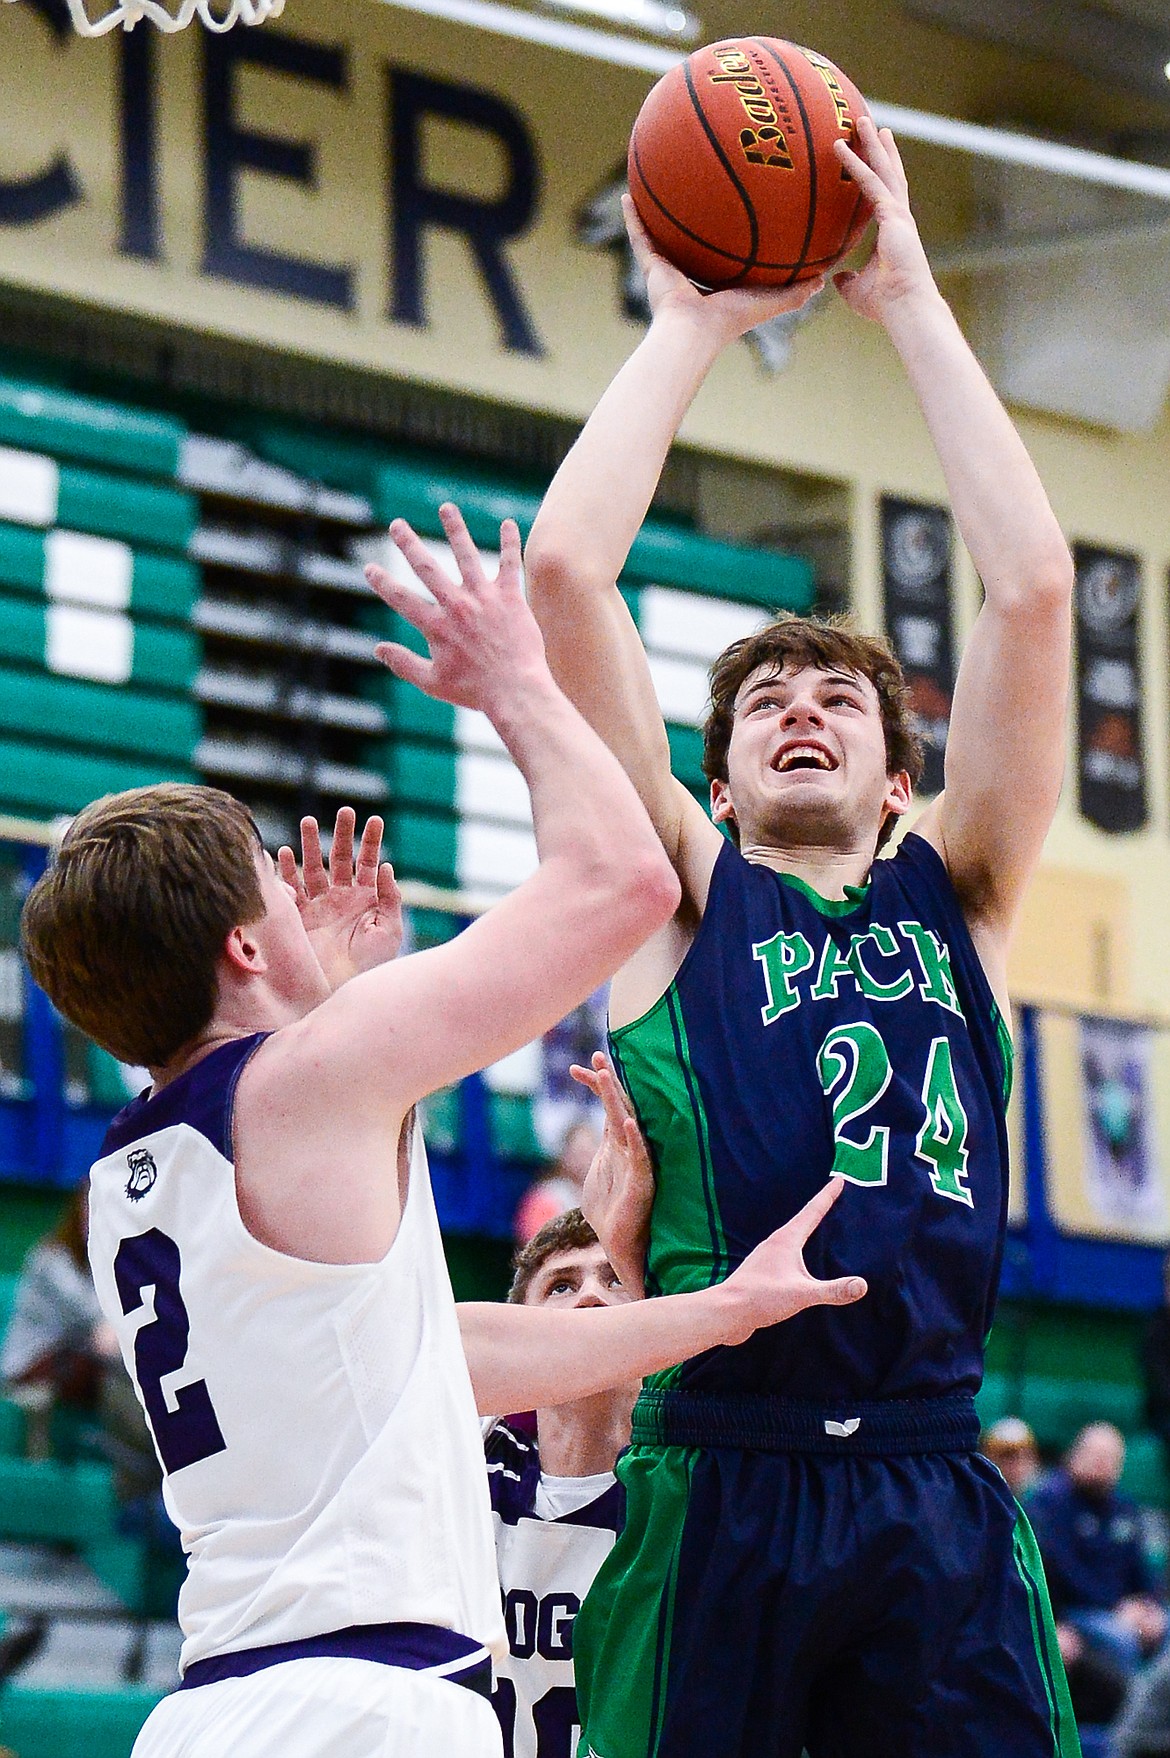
column 921, row 125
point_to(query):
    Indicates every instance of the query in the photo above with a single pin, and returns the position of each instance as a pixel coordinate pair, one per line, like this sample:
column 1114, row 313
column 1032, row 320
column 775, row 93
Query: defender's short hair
column 124, row 929
column 831, row 644
column 567, row 1232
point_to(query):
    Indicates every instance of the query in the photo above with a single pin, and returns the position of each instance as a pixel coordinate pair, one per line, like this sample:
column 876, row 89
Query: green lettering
column 887, row 946
column 942, row 1140
column 855, row 1071
column 783, row 957
column 834, row 965
column 938, row 984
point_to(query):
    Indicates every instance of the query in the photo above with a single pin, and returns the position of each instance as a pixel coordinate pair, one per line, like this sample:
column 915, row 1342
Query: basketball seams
column 809, row 147
column 717, row 147
column 715, row 249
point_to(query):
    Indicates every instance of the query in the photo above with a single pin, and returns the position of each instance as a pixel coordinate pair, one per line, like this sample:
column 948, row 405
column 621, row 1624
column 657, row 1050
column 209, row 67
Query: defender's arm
column 602, row 885
column 1005, row 751
column 526, row 1357
column 394, row 1033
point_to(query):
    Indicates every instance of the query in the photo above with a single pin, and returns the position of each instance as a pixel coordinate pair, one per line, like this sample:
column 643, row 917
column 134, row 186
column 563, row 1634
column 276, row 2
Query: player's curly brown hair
column 124, row 929
column 567, row 1232
column 794, row 643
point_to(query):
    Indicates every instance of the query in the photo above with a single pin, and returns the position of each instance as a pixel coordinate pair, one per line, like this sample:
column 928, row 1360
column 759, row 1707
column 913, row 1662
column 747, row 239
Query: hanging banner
column 1111, row 770
column 1120, row 1168
column 1105, row 1098
column 916, row 583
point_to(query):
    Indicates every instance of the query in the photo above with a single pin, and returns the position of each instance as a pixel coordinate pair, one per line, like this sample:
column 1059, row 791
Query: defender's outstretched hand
column 482, row 637
column 352, row 913
column 618, row 1194
column 898, row 266
column 772, row 1282
column 732, row 312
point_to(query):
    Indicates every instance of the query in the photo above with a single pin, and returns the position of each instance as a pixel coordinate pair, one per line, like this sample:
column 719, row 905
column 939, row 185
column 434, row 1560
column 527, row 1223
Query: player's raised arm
column 602, row 886
column 594, row 509
column 1005, row 751
column 522, row 1357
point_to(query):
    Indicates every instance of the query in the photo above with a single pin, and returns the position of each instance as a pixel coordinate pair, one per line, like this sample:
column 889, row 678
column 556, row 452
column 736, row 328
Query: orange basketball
column 732, row 167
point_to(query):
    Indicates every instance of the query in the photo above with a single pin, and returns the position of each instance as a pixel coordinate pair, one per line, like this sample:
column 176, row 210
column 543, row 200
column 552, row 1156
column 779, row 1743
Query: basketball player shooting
column 262, row 1233
column 814, row 1557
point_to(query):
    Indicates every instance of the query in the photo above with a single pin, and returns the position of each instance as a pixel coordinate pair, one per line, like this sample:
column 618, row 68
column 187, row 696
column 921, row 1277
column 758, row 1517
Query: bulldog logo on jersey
column 143, row 1173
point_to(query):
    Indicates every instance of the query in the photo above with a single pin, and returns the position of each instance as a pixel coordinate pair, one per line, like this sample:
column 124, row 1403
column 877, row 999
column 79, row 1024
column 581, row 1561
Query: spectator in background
column 59, row 1353
column 559, row 1187
column 1011, row 1447
column 1101, row 1582
column 57, row 1346
column 1143, row 1728
column 1156, row 1367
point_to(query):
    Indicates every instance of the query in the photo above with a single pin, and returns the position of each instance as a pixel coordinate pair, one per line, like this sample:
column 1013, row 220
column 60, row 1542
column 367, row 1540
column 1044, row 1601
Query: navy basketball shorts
column 764, row 1601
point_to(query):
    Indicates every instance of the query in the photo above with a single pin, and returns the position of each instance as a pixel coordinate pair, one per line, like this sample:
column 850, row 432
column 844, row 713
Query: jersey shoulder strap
column 513, row 1466
column 202, row 1097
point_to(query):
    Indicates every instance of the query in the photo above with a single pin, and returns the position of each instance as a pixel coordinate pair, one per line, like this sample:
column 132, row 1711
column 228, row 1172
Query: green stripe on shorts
column 1066, row 1741
column 622, row 1634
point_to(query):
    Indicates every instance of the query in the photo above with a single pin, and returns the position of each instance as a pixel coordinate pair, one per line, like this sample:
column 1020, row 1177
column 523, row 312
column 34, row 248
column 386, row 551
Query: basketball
column 732, row 168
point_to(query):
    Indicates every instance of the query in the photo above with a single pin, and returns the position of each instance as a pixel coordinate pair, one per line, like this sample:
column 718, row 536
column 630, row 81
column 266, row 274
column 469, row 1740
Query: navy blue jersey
column 802, row 1037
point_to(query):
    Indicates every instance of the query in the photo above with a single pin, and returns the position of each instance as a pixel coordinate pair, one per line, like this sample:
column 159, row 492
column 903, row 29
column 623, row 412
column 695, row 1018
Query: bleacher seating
column 1061, row 1368
column 66, row 1568
column 71, row 1723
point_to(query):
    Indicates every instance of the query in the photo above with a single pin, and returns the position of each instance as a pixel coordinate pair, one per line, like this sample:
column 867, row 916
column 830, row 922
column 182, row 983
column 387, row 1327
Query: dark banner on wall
column 916, row 580
column 1111, row 768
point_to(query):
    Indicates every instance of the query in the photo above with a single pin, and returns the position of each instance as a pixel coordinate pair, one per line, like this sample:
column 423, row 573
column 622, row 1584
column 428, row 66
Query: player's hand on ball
column 898, row 265
column 618, row 1194
column 351, row 910
column 483, row 641
column 772, row 1282
column 731, row 313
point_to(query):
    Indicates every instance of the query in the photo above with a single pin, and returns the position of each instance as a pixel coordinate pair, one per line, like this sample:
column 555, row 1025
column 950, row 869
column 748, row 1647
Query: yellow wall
column 841, row 411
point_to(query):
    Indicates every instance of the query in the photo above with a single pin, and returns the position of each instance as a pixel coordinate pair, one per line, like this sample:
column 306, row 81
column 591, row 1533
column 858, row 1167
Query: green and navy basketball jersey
column 802, row 1037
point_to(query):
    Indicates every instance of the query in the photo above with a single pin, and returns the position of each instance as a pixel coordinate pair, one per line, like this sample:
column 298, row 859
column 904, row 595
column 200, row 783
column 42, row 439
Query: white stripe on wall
column 88, row 570
column 28, row 487
column 488, row 786
column 693, row 627
column 493, row 856
column 682, row 689
column 475, row 732
column 89, row 643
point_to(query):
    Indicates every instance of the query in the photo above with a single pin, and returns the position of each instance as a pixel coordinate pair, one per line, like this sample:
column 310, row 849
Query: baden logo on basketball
column 763, row 144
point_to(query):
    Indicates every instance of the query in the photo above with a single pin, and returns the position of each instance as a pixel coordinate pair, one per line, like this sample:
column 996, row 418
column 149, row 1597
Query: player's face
column 583, row 1277
column 292, row 967
column 807, row 762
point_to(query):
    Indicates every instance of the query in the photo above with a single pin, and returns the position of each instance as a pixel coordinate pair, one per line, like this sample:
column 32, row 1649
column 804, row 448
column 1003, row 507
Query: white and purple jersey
column 315, row 1421
column 552, row 1536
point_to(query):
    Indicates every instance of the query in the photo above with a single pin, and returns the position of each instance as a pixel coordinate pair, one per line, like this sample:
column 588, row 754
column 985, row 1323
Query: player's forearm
column 998, row 499
column 526, row 1357
column 599, row 497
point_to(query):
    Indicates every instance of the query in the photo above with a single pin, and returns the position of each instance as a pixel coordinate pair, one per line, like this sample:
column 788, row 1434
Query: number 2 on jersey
column 854, row 1069
column 186, row 1429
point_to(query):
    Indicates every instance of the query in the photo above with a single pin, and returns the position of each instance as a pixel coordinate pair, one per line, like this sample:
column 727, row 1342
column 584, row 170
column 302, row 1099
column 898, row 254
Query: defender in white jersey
column 262, row 1235
column 556, row 1505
